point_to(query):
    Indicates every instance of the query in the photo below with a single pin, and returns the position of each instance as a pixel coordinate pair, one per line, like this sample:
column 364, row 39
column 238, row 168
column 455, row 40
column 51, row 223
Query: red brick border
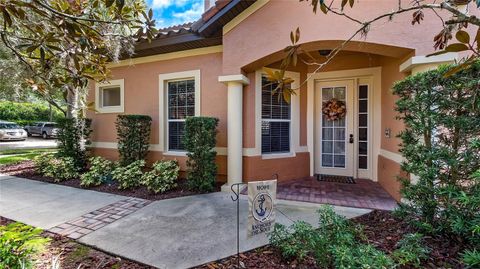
column 97, row 219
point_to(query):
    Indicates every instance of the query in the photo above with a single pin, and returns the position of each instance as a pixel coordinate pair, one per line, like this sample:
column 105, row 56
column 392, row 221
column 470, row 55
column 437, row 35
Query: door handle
column 351, row 139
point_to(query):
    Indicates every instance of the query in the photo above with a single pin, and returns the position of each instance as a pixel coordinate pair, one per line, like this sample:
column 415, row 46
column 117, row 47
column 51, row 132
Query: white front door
column 334, row 139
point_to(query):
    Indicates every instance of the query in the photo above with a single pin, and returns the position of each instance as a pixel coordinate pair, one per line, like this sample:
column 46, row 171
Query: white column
column 234, row 128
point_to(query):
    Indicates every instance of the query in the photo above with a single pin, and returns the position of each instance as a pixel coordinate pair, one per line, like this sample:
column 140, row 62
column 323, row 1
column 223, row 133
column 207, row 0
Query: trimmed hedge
column 73, row 136
column 133, row 133
column 27, row 113
column 200, row 140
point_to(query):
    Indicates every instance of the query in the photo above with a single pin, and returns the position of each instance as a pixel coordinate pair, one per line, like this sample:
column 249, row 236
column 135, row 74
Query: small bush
column 133, row 133
column 73, row 137
column 129, row 176
column 200, row 141
column 471, row 258
column 335, row 244
column 19, row 244
column 411, row 250
column 100, row 171
column 58, row 168
column 162, row 177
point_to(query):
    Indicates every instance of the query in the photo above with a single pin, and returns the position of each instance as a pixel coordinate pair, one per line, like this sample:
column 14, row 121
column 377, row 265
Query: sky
column 173, row 12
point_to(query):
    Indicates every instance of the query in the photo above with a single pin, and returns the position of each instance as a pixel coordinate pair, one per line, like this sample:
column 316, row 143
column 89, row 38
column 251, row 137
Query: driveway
column 29, row 143
column 174, row 233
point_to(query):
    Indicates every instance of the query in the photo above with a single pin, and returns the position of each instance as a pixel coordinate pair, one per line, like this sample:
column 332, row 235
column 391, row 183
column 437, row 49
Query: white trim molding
column 294, row 118
column 393, row 156
column 234, row 78
column 167, row 56
column 423, row 63
column 221, row 151
column 110, row 109
column 162, row 103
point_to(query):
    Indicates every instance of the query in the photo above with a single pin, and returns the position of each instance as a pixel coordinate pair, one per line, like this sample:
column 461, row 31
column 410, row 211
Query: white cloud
column 191, row 14
column 167, row 3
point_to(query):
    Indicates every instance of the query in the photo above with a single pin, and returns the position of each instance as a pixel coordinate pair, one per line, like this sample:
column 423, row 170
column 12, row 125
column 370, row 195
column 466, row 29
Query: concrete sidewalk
column 174, row 233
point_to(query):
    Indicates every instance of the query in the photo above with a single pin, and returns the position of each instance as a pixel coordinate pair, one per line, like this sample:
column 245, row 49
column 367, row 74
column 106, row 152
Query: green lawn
column 17, row 156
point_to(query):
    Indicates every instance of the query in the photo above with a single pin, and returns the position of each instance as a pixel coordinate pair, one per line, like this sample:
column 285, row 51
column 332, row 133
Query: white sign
column 261, row 206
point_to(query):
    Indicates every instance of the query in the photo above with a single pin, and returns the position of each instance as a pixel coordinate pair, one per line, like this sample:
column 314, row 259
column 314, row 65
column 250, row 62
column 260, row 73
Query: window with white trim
column 109, row 96
column 276, row 120
column 181, row 104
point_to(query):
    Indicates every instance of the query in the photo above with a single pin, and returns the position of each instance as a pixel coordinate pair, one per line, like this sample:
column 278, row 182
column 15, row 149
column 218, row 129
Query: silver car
column 11, row 131
column 45, row 129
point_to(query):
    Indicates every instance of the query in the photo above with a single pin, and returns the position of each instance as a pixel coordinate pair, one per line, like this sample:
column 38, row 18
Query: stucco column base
column 234, row 128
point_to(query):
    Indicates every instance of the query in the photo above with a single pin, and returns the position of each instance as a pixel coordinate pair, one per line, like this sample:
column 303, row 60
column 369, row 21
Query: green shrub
column 410, row 250
column 42, row 162
column 133, row 134
column 100, row 170
column 58, row 168
column 162, row 177
column 441, row 147
column 27, row 113
column 471, row 258
column 19, row 245
column 335, row 244
column 129, row 176
column 200, row 142
column 73, row 137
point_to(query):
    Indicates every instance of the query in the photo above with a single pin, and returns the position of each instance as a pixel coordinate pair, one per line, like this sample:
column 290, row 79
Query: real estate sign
column 261, row 206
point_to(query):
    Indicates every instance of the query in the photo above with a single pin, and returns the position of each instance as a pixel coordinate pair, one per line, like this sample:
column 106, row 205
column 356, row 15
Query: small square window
column 111, row 96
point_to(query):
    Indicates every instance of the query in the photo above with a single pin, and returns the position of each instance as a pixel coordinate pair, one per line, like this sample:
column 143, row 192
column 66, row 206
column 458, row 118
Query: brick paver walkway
column 97, row 219
column 364, row 194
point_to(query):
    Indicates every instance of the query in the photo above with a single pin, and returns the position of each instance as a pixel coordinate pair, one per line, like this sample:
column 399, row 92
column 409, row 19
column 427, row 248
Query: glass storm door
column 334, row 138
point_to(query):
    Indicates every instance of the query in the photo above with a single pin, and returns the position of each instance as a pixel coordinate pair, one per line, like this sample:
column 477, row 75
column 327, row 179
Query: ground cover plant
column 100, row 171
column 129, row 176
column 162, row 177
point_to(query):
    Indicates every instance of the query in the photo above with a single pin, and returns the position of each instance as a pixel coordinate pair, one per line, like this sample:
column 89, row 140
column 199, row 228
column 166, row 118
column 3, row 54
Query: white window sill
column 175, row 153
column 278, row 155
column 115, row 109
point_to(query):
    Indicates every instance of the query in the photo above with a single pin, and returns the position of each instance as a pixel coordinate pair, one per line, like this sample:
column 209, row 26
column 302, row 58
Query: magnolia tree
column 62, row 44
column 444, row 41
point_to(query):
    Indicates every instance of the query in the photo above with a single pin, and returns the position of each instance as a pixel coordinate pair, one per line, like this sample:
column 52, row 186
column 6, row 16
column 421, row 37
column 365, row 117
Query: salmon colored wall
column 263, row 33
column 390, row 74
column 256, row 168
column 388, row 171
column 112, row 154
column 142, row 94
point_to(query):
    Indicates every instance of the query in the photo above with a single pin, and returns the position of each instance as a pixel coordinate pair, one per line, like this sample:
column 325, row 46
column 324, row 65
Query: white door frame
column 375, row 133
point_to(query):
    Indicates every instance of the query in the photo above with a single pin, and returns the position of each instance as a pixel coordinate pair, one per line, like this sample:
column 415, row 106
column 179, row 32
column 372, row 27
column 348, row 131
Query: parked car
column 11, row 131
column 45, row 129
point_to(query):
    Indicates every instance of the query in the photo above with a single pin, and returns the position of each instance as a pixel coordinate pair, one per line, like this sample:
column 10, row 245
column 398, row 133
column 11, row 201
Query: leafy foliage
column 162, row 177
column 471, row 258
column 19, row 243
column 200, row 141
column 442, row 149
column 26, row 113
column 133, row 132
column 73, row 137
column 58, row 168
column 410, row 250
column 335, row 244
column 100, row 170
column 62, row 44
column 129, row 176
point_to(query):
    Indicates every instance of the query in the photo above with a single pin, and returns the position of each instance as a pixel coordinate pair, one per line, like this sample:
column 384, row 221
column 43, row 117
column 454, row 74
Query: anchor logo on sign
column 263, row 206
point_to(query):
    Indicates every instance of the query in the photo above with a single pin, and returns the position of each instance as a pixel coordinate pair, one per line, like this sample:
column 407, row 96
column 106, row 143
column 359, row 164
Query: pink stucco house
column 214, row 67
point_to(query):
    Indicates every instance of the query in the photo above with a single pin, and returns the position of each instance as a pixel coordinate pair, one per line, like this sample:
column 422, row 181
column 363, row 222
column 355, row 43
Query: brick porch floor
column 365, row 193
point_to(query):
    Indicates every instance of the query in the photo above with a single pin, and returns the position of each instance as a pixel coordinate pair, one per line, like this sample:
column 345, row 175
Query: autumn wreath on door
column 334, row 109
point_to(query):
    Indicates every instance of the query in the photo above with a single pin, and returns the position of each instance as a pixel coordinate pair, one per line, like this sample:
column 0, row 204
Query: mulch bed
column 26, row 169
column 381, row 229
column 73, row 255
